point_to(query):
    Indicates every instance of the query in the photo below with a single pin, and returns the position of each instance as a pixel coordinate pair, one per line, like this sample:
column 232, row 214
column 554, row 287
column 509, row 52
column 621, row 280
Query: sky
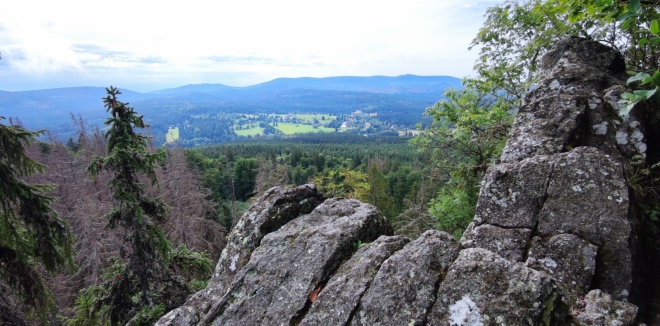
column 150, row 45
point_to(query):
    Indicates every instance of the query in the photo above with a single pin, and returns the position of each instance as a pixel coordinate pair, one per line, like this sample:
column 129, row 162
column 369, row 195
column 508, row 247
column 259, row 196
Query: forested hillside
column 206, row 113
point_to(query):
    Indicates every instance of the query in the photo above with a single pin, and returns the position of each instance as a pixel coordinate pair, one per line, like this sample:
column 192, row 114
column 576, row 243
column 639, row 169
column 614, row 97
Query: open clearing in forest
column 296, row 128
column 250, row 132
column 172, row 135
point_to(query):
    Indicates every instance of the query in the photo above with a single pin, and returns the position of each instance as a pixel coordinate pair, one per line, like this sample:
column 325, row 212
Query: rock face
column 339, row 299
column 558, row 202
column 483, row 288
column 600, row 309
column 405, row 287
column 552, row 242
column 274, row 209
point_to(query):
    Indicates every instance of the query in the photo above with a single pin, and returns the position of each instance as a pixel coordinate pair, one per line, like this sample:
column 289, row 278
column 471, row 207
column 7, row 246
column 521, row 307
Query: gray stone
column 588, row 197
column 586, row 53
column 567, row 258
column 482, row 288
column 404, row 288
column 629, row 130
column 338, row 300
column 512, row 193
column 272, row 210
column 508, row 243
column 600, row 310
column 274, row 287
column 565, row 109
column 544, row 126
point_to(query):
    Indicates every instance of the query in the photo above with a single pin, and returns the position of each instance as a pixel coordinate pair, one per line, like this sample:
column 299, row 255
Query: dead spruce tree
column 142, row 284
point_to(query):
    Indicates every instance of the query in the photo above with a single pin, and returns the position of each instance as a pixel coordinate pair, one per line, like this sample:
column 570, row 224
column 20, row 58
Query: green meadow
column 293, row 128
column 250, row 132
column 319, row 117
column 172, row 135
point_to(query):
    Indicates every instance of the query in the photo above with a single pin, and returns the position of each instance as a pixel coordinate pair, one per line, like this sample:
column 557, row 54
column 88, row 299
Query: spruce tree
column 144, row 286
column 31, row 233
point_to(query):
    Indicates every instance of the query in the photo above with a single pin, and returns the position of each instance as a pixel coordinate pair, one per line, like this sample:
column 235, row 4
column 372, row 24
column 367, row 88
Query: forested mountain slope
column 397, row 100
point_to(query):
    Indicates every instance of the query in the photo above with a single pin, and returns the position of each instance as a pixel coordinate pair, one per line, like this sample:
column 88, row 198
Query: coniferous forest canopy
column 130, row 205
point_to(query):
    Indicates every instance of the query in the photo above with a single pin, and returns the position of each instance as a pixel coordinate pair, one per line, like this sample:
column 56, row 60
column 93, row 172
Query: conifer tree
column 30, row 230
column 137, row 290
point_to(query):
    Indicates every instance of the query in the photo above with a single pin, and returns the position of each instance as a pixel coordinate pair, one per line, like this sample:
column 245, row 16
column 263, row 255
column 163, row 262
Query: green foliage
column 517, row 34
column 195, row 265
column 345, row 183
column 244, row 174
column 31, row 233
column 512, row 41
column 357, row 245
column 644, row 180
column 92, row 309
column 468, row 132
column 377, row 194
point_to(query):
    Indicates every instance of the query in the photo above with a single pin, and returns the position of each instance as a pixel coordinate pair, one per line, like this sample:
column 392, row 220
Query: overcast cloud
column 149, row 45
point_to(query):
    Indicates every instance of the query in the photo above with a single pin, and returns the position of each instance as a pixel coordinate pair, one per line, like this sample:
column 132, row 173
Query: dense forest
column 110, row 228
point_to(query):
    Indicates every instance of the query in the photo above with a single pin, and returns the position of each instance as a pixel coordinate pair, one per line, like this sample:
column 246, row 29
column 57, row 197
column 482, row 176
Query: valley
column 204, row 114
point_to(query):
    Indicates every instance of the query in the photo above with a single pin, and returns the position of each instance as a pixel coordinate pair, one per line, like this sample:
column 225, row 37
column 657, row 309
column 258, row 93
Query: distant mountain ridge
column 402, row 97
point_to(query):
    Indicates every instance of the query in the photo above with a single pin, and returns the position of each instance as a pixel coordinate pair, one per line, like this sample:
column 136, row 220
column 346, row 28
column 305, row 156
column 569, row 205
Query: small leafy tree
column 468, row 132
column 31, row 233
column 142, row 285
column 344, row 183
column 517, row 33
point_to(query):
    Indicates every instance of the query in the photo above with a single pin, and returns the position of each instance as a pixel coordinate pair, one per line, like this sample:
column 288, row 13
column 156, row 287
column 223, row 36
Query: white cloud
column 151, row 44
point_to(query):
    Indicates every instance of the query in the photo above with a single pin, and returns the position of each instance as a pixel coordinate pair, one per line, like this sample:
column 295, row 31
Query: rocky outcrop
column 558, row 202
column 552, row 242
column 275, row 286
column 275, row 208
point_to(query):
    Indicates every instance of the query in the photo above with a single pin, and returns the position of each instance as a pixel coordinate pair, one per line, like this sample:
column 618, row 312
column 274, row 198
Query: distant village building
column 367, row 125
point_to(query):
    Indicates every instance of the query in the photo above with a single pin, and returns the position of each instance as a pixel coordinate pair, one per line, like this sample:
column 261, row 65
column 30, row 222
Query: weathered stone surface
column 588, row 197
column 338, row 300
column 481, row 288
column 405, row 287
column 273, row 288
column 512, row 193
column 274, row 209
column 565, row 109
column 567, row 258
column 628, row 133
column 544, row 126
column 600, row 309
column 586, row 53
column 508, row 243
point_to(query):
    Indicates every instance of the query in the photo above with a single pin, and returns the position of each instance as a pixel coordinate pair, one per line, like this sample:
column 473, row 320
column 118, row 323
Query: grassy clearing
column 310, row 118
column 292, row 128
column 172, row 135
column 250, row 132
